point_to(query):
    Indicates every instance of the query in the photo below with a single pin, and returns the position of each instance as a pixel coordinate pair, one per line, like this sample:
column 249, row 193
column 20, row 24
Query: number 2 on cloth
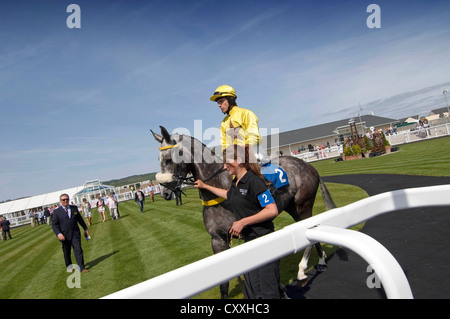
column 265, row 198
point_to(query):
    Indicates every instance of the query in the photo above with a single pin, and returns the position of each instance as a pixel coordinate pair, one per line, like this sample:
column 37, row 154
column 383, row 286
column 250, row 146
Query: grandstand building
column 330, row 134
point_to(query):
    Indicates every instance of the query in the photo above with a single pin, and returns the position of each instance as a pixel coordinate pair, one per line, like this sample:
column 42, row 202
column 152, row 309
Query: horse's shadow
column 295, row 292
column 98, row 260
column 340, row 255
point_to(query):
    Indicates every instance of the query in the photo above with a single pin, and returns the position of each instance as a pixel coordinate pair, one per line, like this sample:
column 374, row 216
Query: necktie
column 68, row 212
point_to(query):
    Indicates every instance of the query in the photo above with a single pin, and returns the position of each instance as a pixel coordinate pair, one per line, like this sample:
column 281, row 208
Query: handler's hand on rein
column 237, row 227
column 199, row 184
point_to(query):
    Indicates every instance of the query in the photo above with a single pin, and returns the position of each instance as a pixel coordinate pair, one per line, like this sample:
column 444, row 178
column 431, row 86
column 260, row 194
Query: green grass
column 120, row 254
column 141, row 246
column 430, row 157
column 125, row 252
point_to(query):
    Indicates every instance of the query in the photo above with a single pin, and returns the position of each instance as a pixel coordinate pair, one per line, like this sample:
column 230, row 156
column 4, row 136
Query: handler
column 239, row 126
column 254, row 208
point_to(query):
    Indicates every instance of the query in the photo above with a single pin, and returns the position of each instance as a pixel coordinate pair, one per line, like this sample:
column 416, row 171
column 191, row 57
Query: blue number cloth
column 275, row 174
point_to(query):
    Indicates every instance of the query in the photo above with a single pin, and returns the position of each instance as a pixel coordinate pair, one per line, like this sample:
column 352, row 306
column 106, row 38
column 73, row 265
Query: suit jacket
column 5, row 224
column 68, row 227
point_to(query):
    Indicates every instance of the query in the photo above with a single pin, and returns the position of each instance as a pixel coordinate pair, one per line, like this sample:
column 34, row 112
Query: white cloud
column 325, row 83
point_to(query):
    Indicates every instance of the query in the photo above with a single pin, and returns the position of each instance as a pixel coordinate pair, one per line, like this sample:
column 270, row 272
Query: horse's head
column 173, row 158
column 180, row 155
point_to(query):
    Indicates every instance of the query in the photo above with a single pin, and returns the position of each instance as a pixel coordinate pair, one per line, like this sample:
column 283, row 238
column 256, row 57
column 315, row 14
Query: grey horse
column 182, row 156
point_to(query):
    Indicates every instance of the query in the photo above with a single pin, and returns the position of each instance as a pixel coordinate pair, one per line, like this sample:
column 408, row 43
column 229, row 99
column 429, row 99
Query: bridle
column 178, row 178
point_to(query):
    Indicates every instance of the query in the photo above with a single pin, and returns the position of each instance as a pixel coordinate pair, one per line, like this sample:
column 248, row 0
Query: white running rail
column 328, row 227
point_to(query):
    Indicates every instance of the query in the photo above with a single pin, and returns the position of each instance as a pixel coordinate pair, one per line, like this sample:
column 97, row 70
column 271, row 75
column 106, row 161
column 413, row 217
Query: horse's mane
column 206, row 169
column 212, row 150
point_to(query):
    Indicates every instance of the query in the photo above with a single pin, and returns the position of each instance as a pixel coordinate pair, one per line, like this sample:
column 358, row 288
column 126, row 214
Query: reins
column 211, row 202
column 190, row 180
column 219, row 171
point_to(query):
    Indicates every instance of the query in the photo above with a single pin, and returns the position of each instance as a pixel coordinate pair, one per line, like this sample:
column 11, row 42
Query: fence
column 328, row 227
column 419, row 134
column 403, row 137
column 329, row 152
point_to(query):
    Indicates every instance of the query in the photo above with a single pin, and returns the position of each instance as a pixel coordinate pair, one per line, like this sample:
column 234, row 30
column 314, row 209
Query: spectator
column 139, row 198
column 112, row 204
column 47, row 215
column 178, row 193
column 151, row 191
column 86, row 210
column 41, row 216
column 36, row 217
column 31, row 215
column 5, row 228
column 101, row 207
column 117, row 203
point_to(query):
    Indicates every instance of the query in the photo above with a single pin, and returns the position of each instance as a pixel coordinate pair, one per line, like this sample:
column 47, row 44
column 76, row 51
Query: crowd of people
column 110, row 202
column 43, row 215
column 103, row 203
column 65, row 218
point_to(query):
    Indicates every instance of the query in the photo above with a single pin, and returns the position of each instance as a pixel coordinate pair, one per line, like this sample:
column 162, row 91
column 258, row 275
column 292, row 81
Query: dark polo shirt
column 244, row 202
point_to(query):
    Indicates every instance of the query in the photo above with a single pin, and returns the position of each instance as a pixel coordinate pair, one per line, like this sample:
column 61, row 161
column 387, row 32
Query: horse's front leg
column 220, row 244
column 322, row 265
column 302, row 279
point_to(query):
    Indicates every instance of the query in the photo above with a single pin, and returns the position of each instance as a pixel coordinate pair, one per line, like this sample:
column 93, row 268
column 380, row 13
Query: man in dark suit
column 4, row 224
column 65, row 221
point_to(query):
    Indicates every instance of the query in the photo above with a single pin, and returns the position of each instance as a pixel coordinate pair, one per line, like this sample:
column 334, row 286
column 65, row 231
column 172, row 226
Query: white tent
column 411, row 120
column 432, row 117
column 17, row 210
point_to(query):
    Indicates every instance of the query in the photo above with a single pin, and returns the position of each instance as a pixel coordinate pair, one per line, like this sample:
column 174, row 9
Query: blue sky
column 78, row 104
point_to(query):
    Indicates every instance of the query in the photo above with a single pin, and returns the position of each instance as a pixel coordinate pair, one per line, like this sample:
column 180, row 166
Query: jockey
column 240, row 126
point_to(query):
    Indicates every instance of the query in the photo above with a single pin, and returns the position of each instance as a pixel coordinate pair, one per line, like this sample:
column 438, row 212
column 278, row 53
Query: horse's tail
column 327, row 199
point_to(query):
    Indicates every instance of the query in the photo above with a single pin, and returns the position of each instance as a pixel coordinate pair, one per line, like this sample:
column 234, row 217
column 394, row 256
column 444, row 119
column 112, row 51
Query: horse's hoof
column 321, row 268
column 302, row 282
column 284, row 296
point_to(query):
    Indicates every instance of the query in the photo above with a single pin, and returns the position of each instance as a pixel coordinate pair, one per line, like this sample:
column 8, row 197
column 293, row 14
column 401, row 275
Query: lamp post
column 360, row 122
column 446, row 102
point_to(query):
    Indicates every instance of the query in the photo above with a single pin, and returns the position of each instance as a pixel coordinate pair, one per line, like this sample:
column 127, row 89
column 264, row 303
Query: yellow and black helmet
column 222, row 91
